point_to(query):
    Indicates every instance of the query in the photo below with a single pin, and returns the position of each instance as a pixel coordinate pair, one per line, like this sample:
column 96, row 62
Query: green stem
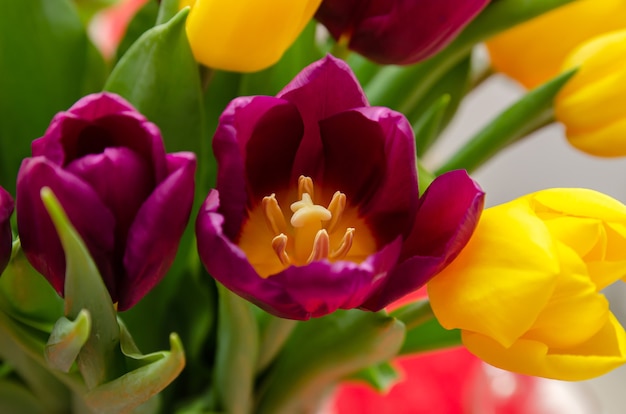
column 340, row 49
column 414, row 314
column 273, row 338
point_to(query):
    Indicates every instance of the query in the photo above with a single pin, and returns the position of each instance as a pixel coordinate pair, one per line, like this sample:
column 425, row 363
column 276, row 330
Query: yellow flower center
column 314, row 232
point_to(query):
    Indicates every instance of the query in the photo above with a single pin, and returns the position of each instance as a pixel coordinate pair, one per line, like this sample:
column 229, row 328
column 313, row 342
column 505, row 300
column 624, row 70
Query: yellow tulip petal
column 608, row 141
column 553, row 36
column 502, row 279
column 577, row 202
column 245, row 36
column 600, row 354
column 575, row 304
column 581, row 234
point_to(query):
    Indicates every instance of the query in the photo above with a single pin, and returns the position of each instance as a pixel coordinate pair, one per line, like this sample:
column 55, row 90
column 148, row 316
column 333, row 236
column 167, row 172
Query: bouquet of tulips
column 223, row 208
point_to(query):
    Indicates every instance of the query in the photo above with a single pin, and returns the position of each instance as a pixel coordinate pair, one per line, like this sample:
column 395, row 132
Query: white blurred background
column 544, row 160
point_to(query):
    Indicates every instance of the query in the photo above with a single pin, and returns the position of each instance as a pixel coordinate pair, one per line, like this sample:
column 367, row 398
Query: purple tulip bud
column 127, row 198
column 6, row 238
column 397, row 31
column 317, row 205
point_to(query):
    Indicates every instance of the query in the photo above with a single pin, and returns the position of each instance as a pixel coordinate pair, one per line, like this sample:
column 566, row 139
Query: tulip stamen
column 321, row 247
column 336, row 207
column 305, row 186
column 279, row 244
column 345, row 246
column 274, row 215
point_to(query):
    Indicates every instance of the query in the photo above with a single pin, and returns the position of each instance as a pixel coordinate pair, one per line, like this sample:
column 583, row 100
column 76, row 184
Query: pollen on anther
column 274, row 215
column 321, row 247
column 344, row 247
column 336, row 207
column 279, row 244
column 305, row 185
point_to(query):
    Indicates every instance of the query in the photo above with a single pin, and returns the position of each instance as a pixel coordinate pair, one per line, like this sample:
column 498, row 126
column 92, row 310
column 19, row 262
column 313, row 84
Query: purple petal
column 94, row 106
column 268, row 167
column 97, row 122
column 369, row 153
column 298, row 292
column 400, row 31
column 321, row 90
column 446, row 218
column 154, row 236
column 6, row 237
column 237, row 129
column 122, row 179
column 93, row 221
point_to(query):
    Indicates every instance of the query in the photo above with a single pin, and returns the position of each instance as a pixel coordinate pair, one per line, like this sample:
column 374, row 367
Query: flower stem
column 273, row 338
column 414, row 314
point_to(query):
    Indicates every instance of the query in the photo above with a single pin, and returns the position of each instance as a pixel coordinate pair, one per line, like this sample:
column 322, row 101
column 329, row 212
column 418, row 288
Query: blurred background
column 543, row 160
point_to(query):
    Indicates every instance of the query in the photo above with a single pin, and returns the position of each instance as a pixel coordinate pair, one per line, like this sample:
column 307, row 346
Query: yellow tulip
column 245, row 35
column 525, row 290
column 533, row 52
column 591, row 105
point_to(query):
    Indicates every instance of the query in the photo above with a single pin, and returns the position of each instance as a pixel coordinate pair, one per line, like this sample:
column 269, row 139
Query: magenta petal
column 154, row 236
column 268, row 167
column 6, row 237
column 320, row 90
column 95, row 105
column 369, row 154
column 93, row 221
column 446, row 218
column 235, row 130
column 123, row 180
column 398, row 31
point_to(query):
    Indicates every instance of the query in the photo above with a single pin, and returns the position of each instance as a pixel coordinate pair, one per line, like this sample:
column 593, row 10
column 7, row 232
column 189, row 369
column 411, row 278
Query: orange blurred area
column 108, row 27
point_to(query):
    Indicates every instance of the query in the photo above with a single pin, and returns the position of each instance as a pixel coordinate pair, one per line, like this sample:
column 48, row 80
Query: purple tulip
column 397, row 31
column 317, row 205
column 6, row 238
column 127, row 198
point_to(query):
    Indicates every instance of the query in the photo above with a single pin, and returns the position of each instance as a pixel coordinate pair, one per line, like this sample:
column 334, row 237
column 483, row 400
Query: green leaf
column 381, row 376
column 236, row 355
column 24, row 348
column 136, row 389
column 323, row 351
column 430, row 336
column 441, row 103
column 27, row 296
column 532, row 111
column 15, row 398
column 160, row 77
column 100, row 360
column 428, row 125
column 66, row 341
column 46, row 61
column 270, row 81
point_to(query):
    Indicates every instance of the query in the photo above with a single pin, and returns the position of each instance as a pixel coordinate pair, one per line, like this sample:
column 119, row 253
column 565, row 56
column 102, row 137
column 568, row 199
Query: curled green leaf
column 66, row 340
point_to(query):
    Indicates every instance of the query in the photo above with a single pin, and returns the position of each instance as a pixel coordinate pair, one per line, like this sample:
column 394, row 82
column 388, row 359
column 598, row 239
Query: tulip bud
column 525, row 291
column 245, row 36
column 553, row 36
column 591, row 105
column 6, row 238
column 397, row 31
column 127, row 198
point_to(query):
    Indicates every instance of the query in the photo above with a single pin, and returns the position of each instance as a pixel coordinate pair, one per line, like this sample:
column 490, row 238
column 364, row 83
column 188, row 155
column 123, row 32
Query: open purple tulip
column 317, row 205
column 127, row 198
column 6, row 238
column 397, row 31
